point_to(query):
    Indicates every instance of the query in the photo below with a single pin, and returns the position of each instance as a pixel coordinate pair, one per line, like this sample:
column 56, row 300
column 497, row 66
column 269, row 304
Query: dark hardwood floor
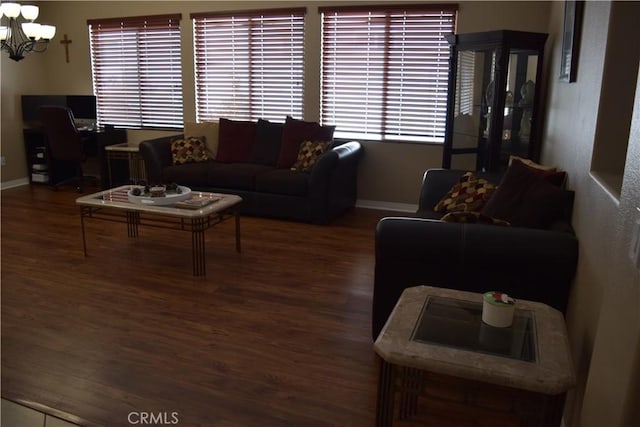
column 278, row 335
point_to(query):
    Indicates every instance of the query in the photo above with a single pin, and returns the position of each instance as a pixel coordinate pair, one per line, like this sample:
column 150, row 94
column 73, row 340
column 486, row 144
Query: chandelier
column 19, row 34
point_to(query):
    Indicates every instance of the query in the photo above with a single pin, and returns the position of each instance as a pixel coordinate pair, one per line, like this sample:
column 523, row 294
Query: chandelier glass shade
column 19, row 34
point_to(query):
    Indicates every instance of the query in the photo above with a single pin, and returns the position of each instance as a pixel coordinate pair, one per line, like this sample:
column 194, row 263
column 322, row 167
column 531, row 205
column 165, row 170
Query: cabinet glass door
column 473, row 104
column 469, row 105
column 518, row 105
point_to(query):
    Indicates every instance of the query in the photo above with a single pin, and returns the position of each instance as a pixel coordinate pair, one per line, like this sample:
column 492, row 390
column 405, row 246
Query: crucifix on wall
column 65, row 41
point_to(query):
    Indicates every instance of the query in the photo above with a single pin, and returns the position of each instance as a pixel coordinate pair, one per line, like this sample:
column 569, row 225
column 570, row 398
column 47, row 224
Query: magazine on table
column 197, row 202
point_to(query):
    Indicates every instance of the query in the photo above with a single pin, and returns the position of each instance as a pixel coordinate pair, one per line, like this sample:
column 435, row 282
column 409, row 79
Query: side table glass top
column 457, row 323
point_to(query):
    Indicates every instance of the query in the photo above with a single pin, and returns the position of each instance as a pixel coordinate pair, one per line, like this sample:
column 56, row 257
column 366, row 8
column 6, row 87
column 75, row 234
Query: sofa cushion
column 469, row 194
column 283, row 181
column 529, row 197
column 188, row 150
column 235, row 140
column 238, row 176
column 191, row 174
column 473, row 218
column 266, row 147
column 294, row 133
column 308, row 154
column 206, row 130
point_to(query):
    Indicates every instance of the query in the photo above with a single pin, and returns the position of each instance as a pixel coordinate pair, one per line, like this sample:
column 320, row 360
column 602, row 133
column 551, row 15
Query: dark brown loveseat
column 533, row 262
column 268, row 187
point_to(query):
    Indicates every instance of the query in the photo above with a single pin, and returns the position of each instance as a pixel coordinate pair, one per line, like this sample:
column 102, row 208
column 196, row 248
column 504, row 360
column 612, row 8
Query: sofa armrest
column 333, row 183
column 343, row 155
column 435, row 184
column 531, row 264
column 157, row 156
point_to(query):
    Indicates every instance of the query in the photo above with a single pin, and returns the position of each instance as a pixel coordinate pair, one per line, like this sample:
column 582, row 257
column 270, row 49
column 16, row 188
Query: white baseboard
column 386, row 206
column 13, row 184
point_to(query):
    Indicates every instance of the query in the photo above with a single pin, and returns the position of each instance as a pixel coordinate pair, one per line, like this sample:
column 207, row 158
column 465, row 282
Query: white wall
column 603, row 317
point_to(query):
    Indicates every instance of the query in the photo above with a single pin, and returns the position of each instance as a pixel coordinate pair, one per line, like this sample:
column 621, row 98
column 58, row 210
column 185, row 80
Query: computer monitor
column 32, row 103
column 83, row 106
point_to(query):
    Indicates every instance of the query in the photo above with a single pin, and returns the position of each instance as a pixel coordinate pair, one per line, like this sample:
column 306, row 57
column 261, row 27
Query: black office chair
column 66, row 147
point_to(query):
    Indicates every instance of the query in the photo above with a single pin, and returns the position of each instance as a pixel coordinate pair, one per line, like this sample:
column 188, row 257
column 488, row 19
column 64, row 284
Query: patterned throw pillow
column 469, row 194
column 294, row 133
column 473, row 218
column 308, row 154
column 207, row 131
column 188, row 150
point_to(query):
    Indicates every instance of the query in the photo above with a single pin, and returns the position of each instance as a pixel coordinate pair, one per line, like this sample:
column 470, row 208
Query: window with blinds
column 137, row 71
column 249, row 64
column 385, row 71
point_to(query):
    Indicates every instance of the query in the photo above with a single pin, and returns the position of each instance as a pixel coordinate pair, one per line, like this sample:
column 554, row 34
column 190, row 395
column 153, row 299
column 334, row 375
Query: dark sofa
column 527, row 263
column 317, row 196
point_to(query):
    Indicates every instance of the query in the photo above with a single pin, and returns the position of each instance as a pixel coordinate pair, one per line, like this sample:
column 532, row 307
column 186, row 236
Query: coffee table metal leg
column 84, row 238
column 197, row 247
column 386, row 391
column 109, row 169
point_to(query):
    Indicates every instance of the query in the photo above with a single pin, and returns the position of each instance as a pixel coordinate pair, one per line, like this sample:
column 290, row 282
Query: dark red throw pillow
column 553, row 176
column 528, row 197
column 294, row 133
column 235, row 140
column 544, row 204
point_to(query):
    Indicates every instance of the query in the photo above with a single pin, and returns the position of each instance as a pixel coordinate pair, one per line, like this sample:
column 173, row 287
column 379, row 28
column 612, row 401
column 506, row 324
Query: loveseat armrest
column 333, row 183
column 157, row 156
column 530, row 264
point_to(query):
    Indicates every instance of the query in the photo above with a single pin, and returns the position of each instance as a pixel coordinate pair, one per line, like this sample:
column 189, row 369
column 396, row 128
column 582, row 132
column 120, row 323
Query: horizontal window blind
column 250, row 64
column 465, row 82
column 137, row 71
column 385, row 71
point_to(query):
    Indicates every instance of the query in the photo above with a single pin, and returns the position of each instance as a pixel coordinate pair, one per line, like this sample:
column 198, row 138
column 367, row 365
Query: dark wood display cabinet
column 494, row 104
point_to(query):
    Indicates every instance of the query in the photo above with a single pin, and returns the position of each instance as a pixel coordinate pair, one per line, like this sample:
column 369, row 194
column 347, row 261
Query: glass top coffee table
column 114, row 205
column 436, row 336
